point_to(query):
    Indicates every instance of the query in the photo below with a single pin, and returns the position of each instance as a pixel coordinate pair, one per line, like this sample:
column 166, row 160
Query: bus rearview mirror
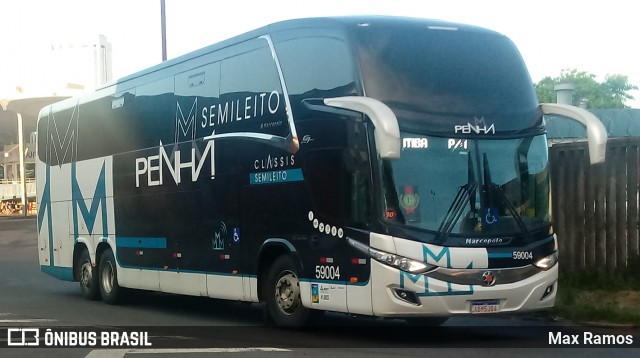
column 596, row 133
column 387, row 131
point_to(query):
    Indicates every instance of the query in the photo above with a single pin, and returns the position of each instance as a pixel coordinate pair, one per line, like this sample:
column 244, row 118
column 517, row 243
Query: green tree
column 613, row 92
column 544, row 90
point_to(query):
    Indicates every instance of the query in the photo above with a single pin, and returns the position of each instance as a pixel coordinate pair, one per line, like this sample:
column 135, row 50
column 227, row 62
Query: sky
column 599, row 37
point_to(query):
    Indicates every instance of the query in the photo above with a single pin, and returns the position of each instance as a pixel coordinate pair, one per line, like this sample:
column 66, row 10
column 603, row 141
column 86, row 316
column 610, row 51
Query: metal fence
column 595, row 208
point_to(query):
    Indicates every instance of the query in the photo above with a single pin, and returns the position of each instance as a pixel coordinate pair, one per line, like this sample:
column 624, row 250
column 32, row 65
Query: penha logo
column 478, row 127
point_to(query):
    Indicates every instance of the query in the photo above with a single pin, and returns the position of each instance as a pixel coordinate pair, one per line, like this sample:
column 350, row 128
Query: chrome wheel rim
column 108, row 276
column 86, row 275
column 288, row 292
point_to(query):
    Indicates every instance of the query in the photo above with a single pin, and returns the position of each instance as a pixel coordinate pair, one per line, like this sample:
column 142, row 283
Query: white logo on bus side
column 153, row 166
column 240, row 109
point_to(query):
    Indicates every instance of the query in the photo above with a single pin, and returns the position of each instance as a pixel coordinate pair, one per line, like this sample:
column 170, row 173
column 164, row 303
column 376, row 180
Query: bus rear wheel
column 110, row 290
column 88, row 276
column 284, row 302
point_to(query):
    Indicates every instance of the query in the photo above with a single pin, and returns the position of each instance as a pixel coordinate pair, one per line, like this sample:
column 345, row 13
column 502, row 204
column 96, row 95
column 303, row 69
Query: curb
column 17, row 217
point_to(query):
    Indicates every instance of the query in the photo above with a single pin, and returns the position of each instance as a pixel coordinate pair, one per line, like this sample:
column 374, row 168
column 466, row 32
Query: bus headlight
column 393, row 260
column 547, row 262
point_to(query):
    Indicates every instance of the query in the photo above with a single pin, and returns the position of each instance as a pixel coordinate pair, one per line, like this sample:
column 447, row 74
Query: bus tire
column 88, row 276
column 283, row 298
column 110, row 290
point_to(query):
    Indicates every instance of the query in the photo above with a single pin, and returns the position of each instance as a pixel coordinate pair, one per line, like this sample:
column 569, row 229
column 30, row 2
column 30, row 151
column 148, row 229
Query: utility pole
column 163, row 24
column 23, row 172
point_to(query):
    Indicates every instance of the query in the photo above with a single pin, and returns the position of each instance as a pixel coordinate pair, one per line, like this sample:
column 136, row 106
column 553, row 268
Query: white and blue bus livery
column 376, row 166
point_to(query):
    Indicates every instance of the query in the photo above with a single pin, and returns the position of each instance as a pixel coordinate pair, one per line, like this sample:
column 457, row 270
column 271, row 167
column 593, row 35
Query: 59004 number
column 328, row 272
column 522, row 255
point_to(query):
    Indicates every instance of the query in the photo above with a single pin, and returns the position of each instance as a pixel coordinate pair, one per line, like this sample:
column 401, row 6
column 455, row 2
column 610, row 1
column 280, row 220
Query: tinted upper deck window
column 443, row 72
column 316, row 64
column 315, row 67
column 251, row 95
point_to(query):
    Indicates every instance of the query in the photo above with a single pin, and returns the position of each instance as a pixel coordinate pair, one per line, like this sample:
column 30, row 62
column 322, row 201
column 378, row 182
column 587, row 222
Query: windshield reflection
column 474, row 187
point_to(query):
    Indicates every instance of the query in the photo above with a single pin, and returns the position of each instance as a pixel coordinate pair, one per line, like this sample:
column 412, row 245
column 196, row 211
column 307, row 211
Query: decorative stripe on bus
column 334, row 282
column 59, row 272
column 141, row 242
column 499, row 255
column 175, row 270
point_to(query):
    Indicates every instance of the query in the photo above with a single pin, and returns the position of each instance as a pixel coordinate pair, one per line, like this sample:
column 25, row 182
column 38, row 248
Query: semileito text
column 240, row 109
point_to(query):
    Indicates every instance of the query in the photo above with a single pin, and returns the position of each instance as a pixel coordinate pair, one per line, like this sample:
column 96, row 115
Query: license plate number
column 480, row 307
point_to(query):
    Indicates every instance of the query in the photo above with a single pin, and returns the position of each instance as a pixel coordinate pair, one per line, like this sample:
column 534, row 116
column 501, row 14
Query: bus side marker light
column 353, row 280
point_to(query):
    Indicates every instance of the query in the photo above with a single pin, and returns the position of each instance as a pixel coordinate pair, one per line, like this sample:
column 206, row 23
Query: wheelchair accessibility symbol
column 236, row 234
column 491, row 216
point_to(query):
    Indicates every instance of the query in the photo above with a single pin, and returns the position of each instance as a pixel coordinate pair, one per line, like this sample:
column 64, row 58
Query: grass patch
column 600, row 297
column 578, row 305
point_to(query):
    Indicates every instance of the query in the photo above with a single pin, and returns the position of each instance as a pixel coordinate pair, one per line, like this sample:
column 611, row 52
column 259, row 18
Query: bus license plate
column 485, row 307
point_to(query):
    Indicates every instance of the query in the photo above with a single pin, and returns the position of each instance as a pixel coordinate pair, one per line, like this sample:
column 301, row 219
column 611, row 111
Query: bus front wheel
column 88, row 276
column 110, row 290
column 283, row 293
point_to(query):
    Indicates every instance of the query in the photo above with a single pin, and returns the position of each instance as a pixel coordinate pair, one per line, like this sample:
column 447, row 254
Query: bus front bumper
column 397, row 293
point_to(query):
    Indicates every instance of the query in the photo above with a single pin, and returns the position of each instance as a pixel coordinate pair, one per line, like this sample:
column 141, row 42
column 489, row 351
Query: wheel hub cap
column 288, row 292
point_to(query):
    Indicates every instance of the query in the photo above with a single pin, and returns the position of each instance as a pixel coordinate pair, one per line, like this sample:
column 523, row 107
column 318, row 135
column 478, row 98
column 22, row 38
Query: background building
column 64, row 70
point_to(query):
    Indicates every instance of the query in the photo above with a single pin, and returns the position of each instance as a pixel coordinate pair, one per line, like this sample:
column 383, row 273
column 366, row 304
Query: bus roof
column 338, row 23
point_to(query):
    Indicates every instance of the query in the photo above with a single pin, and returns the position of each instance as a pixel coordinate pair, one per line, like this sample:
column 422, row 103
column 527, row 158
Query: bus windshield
column 433, row 75
column 472, row 187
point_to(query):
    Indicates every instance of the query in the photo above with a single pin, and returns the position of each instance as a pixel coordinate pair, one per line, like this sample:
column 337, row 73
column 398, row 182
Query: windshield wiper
column 455, row 211
column 488, row 183
column 512, row 211
column 465, row 192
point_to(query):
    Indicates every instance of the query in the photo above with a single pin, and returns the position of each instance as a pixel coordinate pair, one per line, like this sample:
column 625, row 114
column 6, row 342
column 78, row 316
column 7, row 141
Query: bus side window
column 339, row 188
column 360, row 196
column 324, row 171
column 251, row 94
column 315, row 67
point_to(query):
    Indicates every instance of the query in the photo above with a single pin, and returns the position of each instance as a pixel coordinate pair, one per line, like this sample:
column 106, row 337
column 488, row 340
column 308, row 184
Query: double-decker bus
column 377, row 166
